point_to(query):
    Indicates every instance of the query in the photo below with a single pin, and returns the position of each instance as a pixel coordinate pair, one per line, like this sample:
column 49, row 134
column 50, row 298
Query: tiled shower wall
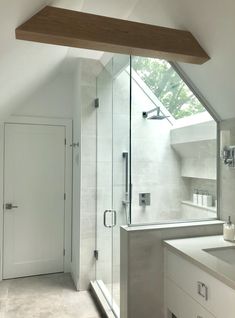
column 156, row 167
column 86, row 90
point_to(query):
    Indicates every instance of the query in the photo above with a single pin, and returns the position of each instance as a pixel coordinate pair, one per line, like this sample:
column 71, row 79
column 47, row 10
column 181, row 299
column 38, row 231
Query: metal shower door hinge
column 74, row 144
column 97, row 103
column 96, row 254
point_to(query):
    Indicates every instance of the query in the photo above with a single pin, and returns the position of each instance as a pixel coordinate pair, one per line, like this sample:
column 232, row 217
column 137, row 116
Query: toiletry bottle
column 204, row 199
column 209, row 200
column 195, row 196
column 215, row 203
column 229, row 230
column 199, row 198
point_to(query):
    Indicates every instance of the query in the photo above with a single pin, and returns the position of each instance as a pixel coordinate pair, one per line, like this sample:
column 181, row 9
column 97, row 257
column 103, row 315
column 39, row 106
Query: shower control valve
column 144, row 199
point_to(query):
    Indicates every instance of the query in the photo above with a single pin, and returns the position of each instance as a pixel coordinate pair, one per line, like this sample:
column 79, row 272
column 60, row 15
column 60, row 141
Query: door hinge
column 64, row 252
column 97, row 103
column 96, row 254
column 64, row 196
column 65, row 141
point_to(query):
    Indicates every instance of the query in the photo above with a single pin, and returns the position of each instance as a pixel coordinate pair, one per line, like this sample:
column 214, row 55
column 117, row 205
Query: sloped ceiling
column 213, row 24
column 25, row 65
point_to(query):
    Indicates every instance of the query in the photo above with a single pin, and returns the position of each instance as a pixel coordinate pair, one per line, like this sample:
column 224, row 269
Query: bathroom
column 148, row 161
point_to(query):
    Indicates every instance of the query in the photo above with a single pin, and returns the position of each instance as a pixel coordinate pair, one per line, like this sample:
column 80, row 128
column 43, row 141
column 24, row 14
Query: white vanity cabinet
column 190, row 292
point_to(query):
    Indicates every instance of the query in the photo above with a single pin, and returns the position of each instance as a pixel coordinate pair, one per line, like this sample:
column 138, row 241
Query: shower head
column 157, row 116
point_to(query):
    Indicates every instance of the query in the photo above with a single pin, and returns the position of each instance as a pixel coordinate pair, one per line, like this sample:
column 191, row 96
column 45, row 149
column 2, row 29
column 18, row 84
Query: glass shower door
column 113, row 122
column 104, row 220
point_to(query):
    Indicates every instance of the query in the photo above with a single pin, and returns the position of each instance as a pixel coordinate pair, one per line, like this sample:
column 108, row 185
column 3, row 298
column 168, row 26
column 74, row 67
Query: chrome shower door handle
column 126, row 200
column 114, row 218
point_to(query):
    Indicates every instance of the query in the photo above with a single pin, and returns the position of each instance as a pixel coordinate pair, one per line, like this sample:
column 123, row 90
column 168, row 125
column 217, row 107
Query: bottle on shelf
column 207, row 199
column 204, row 198
column 229, row 230
column 195, row 196
column 199, row 198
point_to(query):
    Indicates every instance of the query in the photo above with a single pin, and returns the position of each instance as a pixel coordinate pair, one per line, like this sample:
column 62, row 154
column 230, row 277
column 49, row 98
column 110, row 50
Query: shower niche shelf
column 202, row 207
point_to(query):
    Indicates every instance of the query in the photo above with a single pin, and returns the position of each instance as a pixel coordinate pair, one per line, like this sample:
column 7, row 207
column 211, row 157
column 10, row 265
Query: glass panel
column 113, row 126
column 121, row 127
column 168, row 86
column 104, row 180
column 174, row 148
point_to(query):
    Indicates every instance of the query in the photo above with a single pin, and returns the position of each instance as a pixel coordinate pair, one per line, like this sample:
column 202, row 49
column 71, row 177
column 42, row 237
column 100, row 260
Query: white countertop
column 192, row 250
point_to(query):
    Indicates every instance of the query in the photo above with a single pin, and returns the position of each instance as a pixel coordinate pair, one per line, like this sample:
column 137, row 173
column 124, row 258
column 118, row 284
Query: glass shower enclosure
column 113, row 177
column 156, row 151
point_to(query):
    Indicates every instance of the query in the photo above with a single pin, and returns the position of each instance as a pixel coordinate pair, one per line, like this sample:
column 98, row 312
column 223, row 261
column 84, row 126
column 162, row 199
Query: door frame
column 68, row 125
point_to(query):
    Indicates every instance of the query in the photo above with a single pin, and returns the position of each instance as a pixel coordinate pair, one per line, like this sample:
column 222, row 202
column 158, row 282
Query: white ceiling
column 24, row 65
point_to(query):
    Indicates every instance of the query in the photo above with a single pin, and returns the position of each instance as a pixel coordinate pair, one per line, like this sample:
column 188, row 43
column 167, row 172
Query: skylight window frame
column 195, row 91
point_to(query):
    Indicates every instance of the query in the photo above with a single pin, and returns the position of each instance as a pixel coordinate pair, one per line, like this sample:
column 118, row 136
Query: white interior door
column 35, row 183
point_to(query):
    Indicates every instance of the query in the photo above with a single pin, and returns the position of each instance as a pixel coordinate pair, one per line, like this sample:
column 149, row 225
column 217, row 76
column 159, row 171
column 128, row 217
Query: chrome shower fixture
column 228, row 156
column 156, row 116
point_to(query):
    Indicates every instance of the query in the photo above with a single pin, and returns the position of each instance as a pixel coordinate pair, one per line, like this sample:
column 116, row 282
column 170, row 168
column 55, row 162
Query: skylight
column 168, row 86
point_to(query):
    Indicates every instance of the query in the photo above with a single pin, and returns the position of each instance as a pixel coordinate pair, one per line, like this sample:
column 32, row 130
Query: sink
column 226, row 254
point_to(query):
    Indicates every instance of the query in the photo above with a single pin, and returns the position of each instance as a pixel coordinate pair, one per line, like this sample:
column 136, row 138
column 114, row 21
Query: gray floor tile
column 48, row 296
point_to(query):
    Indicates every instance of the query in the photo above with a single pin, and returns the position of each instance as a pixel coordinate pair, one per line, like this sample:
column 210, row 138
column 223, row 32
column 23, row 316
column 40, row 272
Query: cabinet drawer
column 212, row 294
column 182, row 305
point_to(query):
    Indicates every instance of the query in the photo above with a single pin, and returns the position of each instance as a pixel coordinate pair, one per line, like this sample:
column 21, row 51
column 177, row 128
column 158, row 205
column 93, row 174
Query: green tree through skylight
column 168, row 86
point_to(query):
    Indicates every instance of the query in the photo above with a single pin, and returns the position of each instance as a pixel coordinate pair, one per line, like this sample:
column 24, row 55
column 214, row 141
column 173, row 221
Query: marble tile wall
column 156, row 167
column 88, row 72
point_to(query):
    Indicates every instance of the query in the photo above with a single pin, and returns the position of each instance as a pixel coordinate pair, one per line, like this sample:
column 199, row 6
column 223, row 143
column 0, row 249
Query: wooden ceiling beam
column 82, row 30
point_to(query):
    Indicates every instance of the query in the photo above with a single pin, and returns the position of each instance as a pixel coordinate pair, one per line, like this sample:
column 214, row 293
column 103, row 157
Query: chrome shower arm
column 157, row 108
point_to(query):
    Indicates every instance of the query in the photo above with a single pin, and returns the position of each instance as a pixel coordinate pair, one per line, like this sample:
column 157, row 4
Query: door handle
column 114, row 219
column 125, row 155
column 202, row 290
column 10, row 206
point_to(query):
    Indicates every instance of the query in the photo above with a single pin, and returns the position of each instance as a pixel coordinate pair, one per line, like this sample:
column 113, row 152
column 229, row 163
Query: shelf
column 201, row 178
column 206, row 208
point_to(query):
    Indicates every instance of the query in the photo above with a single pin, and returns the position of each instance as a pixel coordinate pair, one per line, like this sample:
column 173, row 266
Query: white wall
column 54, row 98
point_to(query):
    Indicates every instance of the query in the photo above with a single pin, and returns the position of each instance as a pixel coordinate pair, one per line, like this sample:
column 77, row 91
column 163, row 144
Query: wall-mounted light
column 227, row 151
column 228, row 155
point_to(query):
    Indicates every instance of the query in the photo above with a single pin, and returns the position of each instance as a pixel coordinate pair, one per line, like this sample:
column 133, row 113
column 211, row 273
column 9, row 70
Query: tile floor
column 48, row 296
